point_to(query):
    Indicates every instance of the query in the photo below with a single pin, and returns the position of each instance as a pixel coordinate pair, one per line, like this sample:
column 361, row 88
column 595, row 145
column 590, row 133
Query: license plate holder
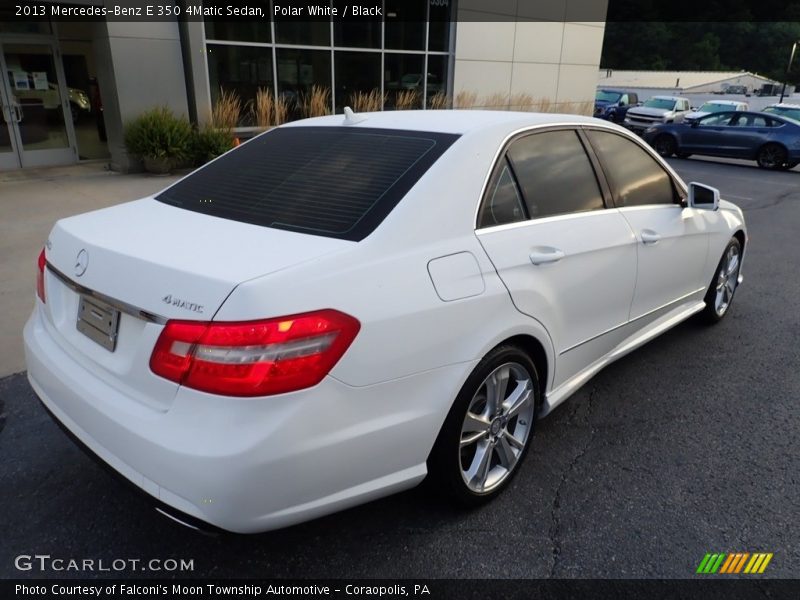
column 99, row 321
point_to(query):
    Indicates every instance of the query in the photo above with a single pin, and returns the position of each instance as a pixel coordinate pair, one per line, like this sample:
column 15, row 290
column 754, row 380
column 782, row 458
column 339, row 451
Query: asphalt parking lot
column 687, row 446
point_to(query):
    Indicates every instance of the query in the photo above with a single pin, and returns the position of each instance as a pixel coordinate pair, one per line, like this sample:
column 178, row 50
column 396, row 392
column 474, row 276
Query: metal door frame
column 36, row 158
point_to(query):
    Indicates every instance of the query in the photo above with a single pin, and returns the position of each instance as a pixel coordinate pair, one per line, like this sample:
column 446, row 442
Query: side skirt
column 638, row 338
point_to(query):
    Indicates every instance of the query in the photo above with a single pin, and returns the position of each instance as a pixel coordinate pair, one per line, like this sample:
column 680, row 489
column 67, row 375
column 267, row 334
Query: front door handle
column 650, row 237
column 545, row 255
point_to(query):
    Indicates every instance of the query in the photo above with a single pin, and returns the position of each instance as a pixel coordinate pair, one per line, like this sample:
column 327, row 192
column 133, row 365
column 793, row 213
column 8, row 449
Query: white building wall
column 500, row 51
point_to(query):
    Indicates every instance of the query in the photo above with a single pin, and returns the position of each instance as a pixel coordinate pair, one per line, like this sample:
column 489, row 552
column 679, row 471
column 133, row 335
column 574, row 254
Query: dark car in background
column 612, row 105
column 771, row 140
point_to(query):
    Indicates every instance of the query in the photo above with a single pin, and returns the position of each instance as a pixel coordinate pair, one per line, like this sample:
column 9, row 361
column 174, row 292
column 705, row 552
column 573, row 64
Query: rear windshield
column 336, row 182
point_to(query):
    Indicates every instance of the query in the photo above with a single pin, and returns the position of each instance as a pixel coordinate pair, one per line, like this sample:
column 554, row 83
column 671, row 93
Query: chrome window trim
column 550, row 219
column 575, row 125
column 121, row 306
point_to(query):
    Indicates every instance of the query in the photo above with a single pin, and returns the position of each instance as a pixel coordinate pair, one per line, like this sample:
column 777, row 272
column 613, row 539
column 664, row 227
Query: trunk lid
column 165, row 261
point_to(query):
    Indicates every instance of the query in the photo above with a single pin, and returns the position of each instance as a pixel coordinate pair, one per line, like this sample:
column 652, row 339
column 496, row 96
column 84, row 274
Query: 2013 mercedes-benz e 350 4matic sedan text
column 344, row 305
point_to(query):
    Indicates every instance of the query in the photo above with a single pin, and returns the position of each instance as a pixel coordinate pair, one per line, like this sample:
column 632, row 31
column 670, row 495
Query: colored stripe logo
column 734, row 562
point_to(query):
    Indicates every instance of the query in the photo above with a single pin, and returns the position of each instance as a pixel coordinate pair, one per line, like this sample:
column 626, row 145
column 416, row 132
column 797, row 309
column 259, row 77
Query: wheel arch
column 535, row 349
column 739, row 235
column 772, row 143
column 531, row 345
column 664, row 135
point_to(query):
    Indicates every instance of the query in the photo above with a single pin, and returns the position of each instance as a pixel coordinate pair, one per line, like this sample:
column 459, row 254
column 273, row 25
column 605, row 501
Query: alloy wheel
column 771, row 156
column 496, row 427
column 727, row 279
column 665, row 145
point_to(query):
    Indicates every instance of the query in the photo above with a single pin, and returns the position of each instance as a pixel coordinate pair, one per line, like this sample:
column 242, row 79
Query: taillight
column 40, row 276
column 253, row 358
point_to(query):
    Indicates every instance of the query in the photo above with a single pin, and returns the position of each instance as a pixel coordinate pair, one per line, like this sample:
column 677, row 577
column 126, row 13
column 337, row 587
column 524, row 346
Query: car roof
column 783, row 105
column 726, row 102
column 447, row 121
column 667, row 98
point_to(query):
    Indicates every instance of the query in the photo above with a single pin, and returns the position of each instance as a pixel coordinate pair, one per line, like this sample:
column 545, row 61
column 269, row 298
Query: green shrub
column 158, row 133
column 208, row 143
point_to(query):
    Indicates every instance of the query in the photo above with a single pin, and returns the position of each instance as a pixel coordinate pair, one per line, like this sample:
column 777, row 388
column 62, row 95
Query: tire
column 665, row 145
column 771, row 156
column 683, row 155
column 719, row 296
column 473, row 458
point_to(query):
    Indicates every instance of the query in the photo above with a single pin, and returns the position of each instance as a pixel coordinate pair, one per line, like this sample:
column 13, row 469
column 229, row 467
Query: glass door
column 9, row 159
column 36, row 106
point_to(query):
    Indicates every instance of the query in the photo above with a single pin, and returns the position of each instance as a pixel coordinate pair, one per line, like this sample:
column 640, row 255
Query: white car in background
column 342, row 306
column 715, row 106
column 784, row 109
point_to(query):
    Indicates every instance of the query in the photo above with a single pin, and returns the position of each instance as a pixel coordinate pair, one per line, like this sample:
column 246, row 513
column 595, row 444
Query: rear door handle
column 650, row 237
column 545, row 255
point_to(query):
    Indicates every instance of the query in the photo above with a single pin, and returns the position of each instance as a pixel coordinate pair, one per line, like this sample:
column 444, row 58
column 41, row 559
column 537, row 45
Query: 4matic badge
column 185, row 304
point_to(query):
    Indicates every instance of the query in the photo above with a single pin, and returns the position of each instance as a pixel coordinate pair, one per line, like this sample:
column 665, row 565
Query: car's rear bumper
column 248, row 465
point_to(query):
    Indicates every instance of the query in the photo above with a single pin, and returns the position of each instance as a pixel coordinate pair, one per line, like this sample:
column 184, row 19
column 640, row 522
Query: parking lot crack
column 555, row 531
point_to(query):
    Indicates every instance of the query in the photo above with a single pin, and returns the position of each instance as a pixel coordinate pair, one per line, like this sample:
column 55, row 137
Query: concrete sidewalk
column 31, row 200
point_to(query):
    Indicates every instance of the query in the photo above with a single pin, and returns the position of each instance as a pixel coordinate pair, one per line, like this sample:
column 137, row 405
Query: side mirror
column 703, row 196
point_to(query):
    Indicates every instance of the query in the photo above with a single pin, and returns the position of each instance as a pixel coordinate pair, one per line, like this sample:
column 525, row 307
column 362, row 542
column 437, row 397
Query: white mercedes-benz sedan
column 343, row 306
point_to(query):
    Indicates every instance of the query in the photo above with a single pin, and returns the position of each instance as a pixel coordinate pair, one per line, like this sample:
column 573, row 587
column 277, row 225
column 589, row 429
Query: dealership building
column 61, row 72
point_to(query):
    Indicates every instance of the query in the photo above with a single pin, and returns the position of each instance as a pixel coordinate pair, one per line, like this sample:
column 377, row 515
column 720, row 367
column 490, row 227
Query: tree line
column 725, row 36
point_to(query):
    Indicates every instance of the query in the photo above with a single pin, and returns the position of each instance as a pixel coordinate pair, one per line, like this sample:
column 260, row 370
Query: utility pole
column 789, row 68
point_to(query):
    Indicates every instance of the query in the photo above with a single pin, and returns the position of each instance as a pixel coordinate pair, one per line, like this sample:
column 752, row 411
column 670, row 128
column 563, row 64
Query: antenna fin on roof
column 351, row 118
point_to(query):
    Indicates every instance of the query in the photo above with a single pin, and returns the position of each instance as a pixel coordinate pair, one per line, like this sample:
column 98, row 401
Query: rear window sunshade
column 336, row 182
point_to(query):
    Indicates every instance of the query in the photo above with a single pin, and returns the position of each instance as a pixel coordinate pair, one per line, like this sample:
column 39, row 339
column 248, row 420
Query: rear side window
column 503, row 203
column 636, row 179
column 751, row 121
column 555, row 174
column 335, row 182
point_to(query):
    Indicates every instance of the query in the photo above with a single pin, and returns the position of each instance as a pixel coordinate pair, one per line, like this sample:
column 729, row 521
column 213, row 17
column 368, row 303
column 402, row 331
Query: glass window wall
column 405, row 57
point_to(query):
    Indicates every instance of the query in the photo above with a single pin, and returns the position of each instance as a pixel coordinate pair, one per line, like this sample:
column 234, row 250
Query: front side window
column 555, row 174
column 636, row 179
column 716, row 119
column 751, row 121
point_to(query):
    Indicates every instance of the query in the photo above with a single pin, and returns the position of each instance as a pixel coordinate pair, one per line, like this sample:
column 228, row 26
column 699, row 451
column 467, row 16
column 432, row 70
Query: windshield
column 604, row 96
column 712, row 107
column 660, row 103
column 784, row 111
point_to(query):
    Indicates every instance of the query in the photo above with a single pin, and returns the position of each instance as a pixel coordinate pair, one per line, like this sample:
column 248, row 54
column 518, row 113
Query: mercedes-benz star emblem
column 81, row 262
